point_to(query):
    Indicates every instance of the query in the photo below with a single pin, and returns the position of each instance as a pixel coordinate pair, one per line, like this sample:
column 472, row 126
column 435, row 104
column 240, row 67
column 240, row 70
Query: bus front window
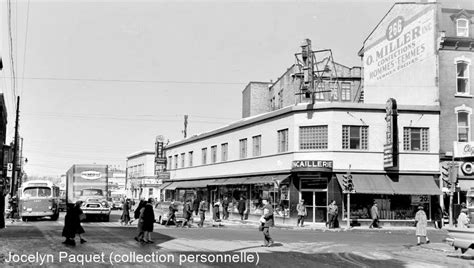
column 30, row 192
column 44, row 192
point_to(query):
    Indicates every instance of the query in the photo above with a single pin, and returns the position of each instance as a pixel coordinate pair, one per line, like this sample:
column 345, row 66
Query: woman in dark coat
column 148, row 220
column 138, row 214
column 125, row 213
column 241, row 207
column 72, row 224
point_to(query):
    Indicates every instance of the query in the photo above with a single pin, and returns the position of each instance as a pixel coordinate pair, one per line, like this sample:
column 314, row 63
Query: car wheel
column 55, row 216
column 463, row 250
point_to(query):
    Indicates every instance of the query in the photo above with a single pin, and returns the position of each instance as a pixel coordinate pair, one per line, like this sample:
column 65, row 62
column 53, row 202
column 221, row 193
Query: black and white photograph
column 237, row 133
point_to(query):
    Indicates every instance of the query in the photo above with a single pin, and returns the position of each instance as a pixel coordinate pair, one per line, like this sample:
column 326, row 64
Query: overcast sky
column 102, row 79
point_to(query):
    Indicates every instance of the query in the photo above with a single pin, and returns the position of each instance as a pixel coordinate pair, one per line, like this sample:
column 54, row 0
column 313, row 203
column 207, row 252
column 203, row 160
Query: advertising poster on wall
column 399, row 55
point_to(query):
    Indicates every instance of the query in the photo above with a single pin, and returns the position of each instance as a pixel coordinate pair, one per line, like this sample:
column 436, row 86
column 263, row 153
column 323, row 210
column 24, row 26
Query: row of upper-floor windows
column 310, row 138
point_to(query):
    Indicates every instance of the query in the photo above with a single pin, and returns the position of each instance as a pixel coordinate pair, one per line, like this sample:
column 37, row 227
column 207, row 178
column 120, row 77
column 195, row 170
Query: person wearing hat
column 421, row 223
column 463, row 219
column 267, row 222
column 301, row 208
column 374, row 212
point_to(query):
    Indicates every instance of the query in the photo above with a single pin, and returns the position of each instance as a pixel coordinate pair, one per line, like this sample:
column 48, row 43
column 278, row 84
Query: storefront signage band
column 463, row 149
column 312, row 164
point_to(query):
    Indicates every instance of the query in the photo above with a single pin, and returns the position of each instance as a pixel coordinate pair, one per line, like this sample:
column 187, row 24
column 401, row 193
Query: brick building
column 422, row 53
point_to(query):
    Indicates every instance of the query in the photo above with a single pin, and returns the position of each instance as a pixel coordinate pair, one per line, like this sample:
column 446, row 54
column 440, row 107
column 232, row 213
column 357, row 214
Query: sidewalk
column 322, row 227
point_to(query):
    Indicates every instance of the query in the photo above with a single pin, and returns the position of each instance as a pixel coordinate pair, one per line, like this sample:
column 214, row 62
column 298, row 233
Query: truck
column 89, row 183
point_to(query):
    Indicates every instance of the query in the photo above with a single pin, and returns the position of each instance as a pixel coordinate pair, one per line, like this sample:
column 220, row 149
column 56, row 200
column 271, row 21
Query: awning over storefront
column 228, row 181
column 171, row 186
column 415, row 185
column 269, row 179
column 401, row 184
column 192, row 184
column 368, row 183
column 164, row 185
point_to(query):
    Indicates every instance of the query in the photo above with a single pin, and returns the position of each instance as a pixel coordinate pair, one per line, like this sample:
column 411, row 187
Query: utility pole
column 15, row 150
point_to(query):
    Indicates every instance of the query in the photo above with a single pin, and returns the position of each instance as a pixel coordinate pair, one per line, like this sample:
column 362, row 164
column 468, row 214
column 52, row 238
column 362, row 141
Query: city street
column 176, row 246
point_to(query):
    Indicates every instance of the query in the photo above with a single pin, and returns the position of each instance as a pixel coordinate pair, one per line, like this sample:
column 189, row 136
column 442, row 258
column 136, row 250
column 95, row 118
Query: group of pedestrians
column 146, row 219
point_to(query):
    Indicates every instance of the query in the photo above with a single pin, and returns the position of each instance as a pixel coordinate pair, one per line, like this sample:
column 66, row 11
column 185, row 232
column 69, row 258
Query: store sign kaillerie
column 463, row 149
column 311, row 164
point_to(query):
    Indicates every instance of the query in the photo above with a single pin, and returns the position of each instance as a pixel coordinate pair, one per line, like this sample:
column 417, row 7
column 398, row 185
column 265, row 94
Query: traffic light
column 347, row 183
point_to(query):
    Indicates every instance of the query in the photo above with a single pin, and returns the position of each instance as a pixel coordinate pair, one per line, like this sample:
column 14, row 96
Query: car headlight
column 50, row 207
column 24, row 208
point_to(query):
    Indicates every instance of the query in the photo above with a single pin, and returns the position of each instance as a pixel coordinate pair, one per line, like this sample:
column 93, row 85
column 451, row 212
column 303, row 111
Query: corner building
column 301, row 152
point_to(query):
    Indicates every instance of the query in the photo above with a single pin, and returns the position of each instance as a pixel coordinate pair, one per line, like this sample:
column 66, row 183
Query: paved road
column 175, row 246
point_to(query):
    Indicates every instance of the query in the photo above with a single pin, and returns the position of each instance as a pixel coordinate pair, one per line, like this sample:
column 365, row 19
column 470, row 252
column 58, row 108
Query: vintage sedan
column 461, row 238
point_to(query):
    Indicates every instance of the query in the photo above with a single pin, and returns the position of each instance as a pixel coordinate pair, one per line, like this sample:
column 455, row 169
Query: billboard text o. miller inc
column 399, row 56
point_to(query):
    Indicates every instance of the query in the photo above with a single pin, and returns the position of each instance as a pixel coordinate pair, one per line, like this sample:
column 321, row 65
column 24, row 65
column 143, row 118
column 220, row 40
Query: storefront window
column 396, row 207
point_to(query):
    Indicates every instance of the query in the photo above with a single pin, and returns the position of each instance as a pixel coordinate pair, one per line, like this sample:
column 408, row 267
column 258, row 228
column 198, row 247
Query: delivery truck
column 89, row 184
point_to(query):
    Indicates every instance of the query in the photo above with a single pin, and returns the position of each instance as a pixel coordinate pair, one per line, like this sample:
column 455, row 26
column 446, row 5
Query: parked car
column 461, row 238
column 117, row 204
column 161, row 210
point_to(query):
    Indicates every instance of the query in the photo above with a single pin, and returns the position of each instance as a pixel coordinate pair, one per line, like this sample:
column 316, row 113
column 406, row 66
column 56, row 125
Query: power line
column 24, row 51
column 131, row 81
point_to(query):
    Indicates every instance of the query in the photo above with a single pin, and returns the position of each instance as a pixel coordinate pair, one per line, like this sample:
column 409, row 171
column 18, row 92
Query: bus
column 38, row 198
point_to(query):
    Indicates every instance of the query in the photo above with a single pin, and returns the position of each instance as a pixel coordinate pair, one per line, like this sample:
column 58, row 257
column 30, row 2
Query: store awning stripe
column 415, row 185
column 171, row 186
column 164, row 185
column 401, row 184
column 192, row 184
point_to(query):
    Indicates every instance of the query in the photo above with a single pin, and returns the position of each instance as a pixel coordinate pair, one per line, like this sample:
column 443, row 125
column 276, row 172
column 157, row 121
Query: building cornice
column 303, row 108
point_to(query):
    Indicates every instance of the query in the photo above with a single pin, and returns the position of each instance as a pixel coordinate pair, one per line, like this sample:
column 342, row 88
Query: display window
column 390, row 207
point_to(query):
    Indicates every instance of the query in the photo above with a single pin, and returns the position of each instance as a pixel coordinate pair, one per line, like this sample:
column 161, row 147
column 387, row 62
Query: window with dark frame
column 182, row 160
column 462, row 27
column 213, row 154
column 282, row 140
column 243, row 148
column 463, row 126
column 257, row 143
column 415, row 139
column 355, row 137
column 204, row 156
column 462, row 76
column 190, row 158
column 224, row 151
column 345, row 91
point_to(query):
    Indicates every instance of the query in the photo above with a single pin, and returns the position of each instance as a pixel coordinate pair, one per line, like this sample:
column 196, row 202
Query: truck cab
column 95, row 204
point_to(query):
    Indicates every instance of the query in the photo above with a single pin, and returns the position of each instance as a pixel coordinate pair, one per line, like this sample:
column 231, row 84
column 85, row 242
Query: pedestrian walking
column 332, row 212
column 202, row 212
column 225, row 208
column 463, row 219
column 215, row 211
column 138, row 214
column 125, row 218
column 148, row 221
column 302, row 213
column 187, row 213
column 374, row 212
column 72, row 224
column 196, row 203
column 241, row 207
column 266, row 222
column 421, row 222
column 172, row 214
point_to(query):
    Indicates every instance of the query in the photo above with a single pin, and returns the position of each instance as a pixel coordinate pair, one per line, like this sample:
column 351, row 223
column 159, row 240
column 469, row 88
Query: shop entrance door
column 316, row 205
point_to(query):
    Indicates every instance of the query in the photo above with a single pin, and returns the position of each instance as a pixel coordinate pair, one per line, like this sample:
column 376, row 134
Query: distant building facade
column 141, row 179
